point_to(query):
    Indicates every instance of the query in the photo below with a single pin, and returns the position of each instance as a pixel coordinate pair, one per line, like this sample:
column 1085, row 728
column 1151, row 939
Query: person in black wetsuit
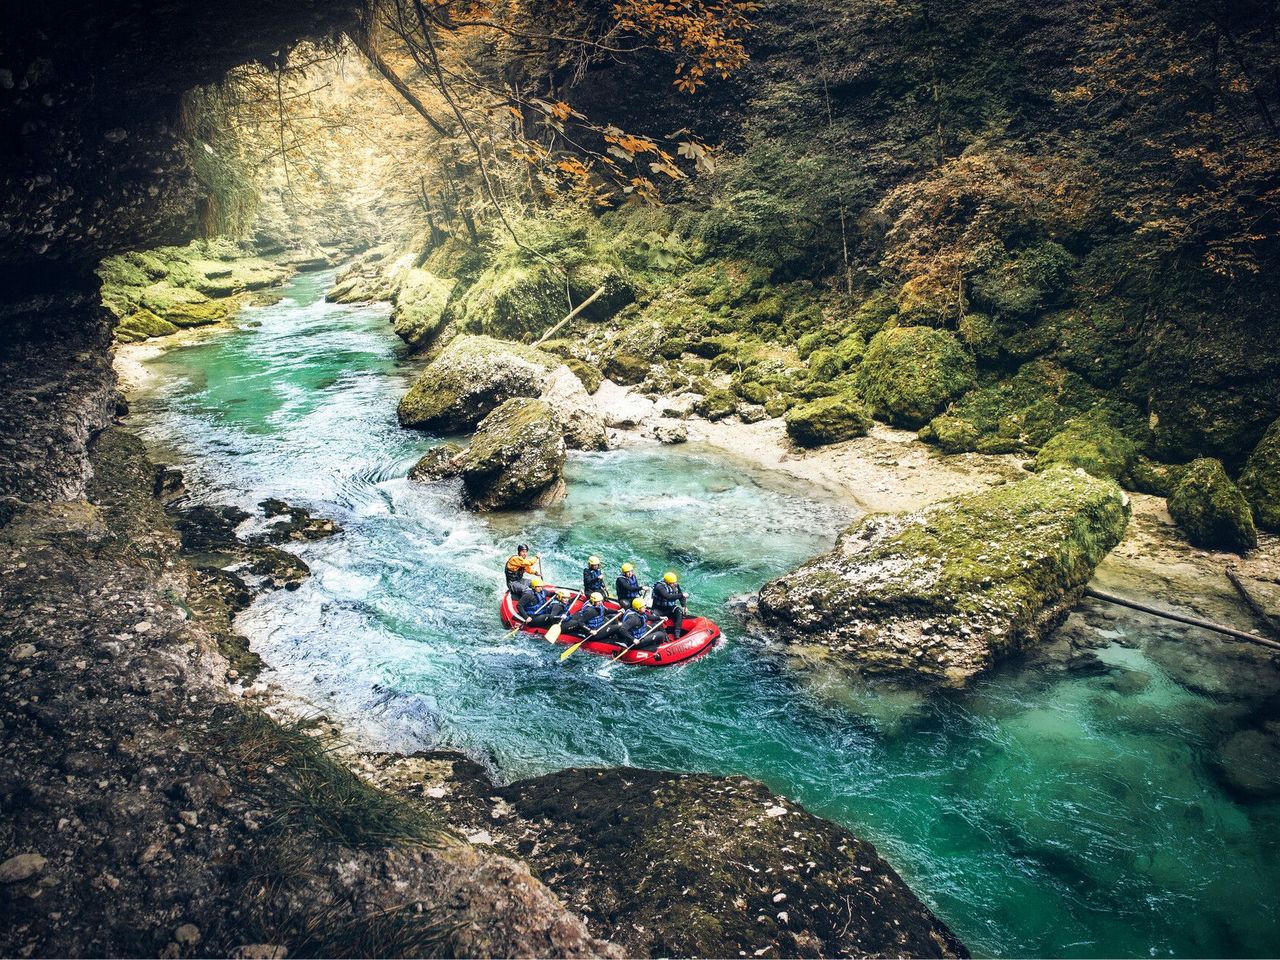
column 593, row 578
column 635, row 624
column 628, row 585
column 670, row 601
column 591, row 616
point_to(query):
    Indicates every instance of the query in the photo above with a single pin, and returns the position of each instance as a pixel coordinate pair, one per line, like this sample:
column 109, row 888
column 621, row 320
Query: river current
column 1038, row 814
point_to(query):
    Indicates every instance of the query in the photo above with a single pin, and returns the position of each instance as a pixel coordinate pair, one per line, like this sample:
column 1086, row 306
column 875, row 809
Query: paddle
column 642, row 639
column 553, row 632
column 569, row 652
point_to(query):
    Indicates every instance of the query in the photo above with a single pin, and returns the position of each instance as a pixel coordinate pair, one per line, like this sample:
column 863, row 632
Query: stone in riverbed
column 1211, row 510
column 516, row 458
column 908, row 373
column 827, row 420
column 944, row 593
column 1260, row 480
column 417, row 314
column 438, row 463
column 1248, row 762
column 472, row 376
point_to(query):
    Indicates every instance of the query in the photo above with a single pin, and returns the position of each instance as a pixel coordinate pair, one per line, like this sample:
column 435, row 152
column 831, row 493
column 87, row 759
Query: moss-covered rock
column 827, row 420
column 1260, row 480
column 1022, row 282
column 716, row 404
column 909, row 372
column 417, row 314
column 627, row 367
column 1151, row 476
column 1093, row 442
column 980, row 334
column 1006, row 415
column 926, row 301
column 143, row 325
column 588, row 374
column 944, row 593
column 1211, row 510
column 472, row 376
column 516, row 458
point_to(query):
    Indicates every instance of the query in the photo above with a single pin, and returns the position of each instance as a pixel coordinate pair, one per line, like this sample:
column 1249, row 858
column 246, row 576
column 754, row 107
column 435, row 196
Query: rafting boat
column 699, row 636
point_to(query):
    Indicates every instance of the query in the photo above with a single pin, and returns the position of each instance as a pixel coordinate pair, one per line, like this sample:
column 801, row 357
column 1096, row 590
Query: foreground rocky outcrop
column 668, row 864
column 944, row 593
column 516, row 458
column 146, row 811
column 473, row 376
column 1211, row 509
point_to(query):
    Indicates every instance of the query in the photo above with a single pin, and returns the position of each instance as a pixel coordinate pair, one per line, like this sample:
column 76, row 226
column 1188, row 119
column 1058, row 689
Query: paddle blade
column 553, row 634
column 569, row 652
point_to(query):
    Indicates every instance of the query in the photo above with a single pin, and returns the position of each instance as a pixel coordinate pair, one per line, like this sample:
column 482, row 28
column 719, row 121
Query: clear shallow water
column 1038, row 815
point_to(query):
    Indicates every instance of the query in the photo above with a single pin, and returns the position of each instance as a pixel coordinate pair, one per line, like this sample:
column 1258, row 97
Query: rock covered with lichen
column 1211, row 510
column 944, row 593
column 417, row 313
column 687, row 865
column 516, row 458
column 1260, row 480
column 473, row 376
column 815, row 423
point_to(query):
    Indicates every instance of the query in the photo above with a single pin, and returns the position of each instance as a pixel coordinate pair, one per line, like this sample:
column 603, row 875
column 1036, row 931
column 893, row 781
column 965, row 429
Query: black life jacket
column 592, row 580
column 628, row 587
column 666, row 595
column 592, row 616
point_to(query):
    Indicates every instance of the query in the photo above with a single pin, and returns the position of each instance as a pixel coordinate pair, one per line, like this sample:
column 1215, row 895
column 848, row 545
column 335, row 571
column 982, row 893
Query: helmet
column 597, row 598
column 637, row 604
column 523, row 548
column 670, row 577
column 627, row 568
column 535, row 583
column 562, row 594
column 593, row 561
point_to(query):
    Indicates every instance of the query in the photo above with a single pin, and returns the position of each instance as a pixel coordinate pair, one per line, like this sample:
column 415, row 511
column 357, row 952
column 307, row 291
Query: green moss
column 590, row 375
column 1007, row 415
column 1093, row 442
column 419, row 307
column 926, row 301
column 143, row 325
column 980, row 334
column 827, row 420
column 1022, row 282
column 873, row 313
column 909, row 372
column 716, row 404
column 1211, row 510
column 1260, row 479
column 1149, row 476
column 469, row 378
column 952, row 434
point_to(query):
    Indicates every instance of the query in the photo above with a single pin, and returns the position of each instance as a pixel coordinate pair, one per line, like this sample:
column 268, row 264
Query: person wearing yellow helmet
column 628, row 585
column 589, row 618
column 670, row 600
column 543, row 607
column 593, row 578
column 638, row 628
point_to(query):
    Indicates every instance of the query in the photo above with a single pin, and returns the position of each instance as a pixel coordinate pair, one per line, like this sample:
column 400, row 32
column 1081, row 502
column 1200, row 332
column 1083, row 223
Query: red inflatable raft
column 699, row 636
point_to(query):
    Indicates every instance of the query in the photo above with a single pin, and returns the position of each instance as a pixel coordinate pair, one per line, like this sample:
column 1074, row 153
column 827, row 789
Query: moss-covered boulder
column 1009, row 414
column 1020, row 282
column 1094, row 443
column 472, row 376
column 143, row 325
column 980, row 334
column 1260, row 480
column 438, row 463
column 816, row 423
column 908, row 373
column 716, row 403
column 926, row 301
column 944, row 593
column 516, row 458
column 588, row 374
column 1211, row 510
column 417, row 313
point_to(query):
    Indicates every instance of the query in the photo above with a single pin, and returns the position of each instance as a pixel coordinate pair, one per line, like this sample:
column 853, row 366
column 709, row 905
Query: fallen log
column 572, row 313
column 1181, row 618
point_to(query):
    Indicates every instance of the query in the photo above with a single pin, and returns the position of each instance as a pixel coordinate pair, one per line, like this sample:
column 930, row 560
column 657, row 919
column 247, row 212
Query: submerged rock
column 827, row 420
column 1248, row 762
column 944, row 593
column 516, row 458
column 473, row 376
column 910, row 372
column 1211, row 510
column 438, row 463
column 1260, row 480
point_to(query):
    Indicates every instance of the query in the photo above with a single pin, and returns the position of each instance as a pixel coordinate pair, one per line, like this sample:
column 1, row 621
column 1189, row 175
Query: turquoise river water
column 1039, row 813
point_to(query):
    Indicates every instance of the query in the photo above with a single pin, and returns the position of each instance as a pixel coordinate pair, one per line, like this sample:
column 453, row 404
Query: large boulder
column 1093, row 442
column 827, row 420
column 516, row 458
column 417, row 314
column 1260, row 480
column 473, row 376
column 908, row 373
column 944, row 593
column 1211, row 510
